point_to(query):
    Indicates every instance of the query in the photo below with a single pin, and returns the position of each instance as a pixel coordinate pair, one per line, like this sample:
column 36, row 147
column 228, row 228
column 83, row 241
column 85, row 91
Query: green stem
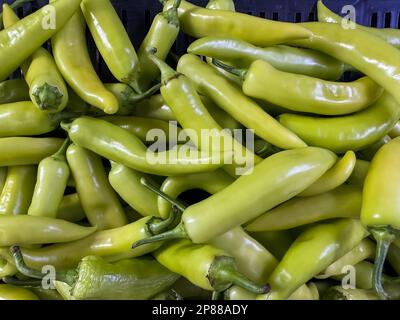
column 235, row 71
column 60, row 154
column 171, row 15
column 22, row 283
column 384, row 237
column 157, row 225
column 133, row 98
column 66, row 126
column 176, row 233
column 223, row 274
column 67, row 277
column 48, row 97
column 175, row 202
column 167, row 73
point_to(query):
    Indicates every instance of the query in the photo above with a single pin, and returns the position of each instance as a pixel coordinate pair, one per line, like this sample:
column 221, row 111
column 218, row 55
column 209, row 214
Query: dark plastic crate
column 137, row 16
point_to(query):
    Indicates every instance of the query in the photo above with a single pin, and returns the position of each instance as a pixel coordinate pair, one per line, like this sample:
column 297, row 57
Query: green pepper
column 277, row 242
column 334, row 177
column 132, row 279
column 364, row 250
column 203, row 265
column 52, row 178
column 189, row 291
column 70, row 208
column 359, row 173
column 227, row 96
column 200, row 22
column 352, row 132
column 72, row 58
column 126, row 182
column 26, row 230
column 22, row 39
column 221, row 5
column 162, row 34
column 366, row 52
column 101, row 204
column 15, row 5
column 343, row 202
column 380, row 211
column 288, row 59
column 289, row 173
column 10, row 292
column 112, row 40
column 18, row 190
column 394, row 133
column 24, row 151
column 340, row 293
column 13, row 90
column 313, row 251
column 121, row 146
column 3, row 177
column 390, row 35
column 369, row 153
column 302, row 93
column 46, row 294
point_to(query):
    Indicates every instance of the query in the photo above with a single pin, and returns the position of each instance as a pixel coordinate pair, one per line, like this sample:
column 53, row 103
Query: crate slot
column 297, row 17
column 388, row 19
column 374, row 20
column 275, row 16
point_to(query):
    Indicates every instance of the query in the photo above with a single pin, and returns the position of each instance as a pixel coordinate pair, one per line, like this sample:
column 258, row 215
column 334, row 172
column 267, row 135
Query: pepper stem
column 223, row 274
column 171, row 15
column 156, row 225
column 384, row 238
column 177, row 233
column 167, row 73
column 68, row 276
column 60, row 154
column 133, row 98
column 47, row 97
column 22, row 283
column 235, row 71
column 175, row 202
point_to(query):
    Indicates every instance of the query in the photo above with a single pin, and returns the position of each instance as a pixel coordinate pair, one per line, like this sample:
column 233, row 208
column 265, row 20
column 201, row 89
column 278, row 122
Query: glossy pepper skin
column 289, row 173
column 47, row 88
column 25, row 230
column 277, row 242
column 70, row 208
column 395, row 132
column 52, row 177
column 365, row 52
column 200, row 22
column 314, row 250
column 242, row 54
column 162, row 34
column 121, row 146
column 209, row 82
column 98, row 199
column 334, row 177
column 24, row 151
column 126, row 182
column 203, row 265
column 392, row 36
column 221, row 5
column 307, row 94
column 10, row 292
column 18, row 190
column 26, row 36
column 13, row 90
column 352, row 132
column 72, row 58
column 342, row 202
column 112, row 40
column 380, row 211
column 15, row 5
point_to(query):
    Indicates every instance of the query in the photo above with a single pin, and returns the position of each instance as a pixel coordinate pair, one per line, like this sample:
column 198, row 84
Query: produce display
column 246, row 168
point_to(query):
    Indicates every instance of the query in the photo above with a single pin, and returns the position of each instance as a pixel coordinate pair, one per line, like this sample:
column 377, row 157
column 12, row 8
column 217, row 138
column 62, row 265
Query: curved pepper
column 204, row 265
column 313, row 251
column 343, row 202
column 17, row 151
column 112, row 40
column 52, row 178
column 70, row 208
column 18, row 190
column 380, row 211
column 47, row 88
column 98, row 199
column 25, row 230
column 209, row 82
column 289, row 59
column 395, row 132
column 13, row 90
column 72, row 58
column 22, row 39
column 15, row 5
column 132, row 279
column 200, row 22
column 10, row 292
column 359, row 173
column 352, row 132
column 390, row 35
column 275, row 180
column 334, row 177
column 121, row 146
column 302, row 93
column 367, row 53
column 25, row 119
column 126, row 182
